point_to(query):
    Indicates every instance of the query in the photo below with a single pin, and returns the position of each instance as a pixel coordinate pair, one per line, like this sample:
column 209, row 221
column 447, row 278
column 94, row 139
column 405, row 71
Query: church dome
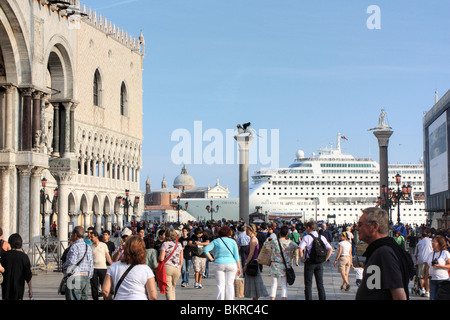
column 184, row 180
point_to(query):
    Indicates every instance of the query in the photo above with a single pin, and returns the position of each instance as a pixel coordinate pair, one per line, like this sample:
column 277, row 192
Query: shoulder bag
column 63, row 284
column 121, row 279
column 160, row 272
column 290, row 273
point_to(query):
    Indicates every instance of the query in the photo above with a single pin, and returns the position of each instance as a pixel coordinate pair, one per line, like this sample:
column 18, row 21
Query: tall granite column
column 383, row 143
column 36, row 122
column 27, row 135
column 244, row 144
column 56, row 130
column 8, row 118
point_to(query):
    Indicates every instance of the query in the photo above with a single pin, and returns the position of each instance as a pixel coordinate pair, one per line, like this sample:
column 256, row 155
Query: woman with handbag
column 131, row 277
column 171, row 254
column 254, row 285
column 227, row 262
column 282, row 251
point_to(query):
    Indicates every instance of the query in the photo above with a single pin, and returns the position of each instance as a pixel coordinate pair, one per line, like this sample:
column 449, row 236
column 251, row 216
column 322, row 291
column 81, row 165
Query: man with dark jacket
column 326, row 233
column 388, row 268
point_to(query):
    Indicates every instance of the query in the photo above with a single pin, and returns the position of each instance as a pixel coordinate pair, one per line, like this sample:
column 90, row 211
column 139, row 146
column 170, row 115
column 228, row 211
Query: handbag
column 265, row 256
column 160, row 272
column 116, row 289
column 252, row 268
column 62, row 288
column 290, row 273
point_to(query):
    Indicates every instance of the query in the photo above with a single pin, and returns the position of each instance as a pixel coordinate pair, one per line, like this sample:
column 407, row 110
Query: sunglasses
column 360, row 224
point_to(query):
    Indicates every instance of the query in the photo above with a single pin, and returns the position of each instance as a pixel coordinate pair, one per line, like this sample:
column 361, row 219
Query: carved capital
column 27, row 91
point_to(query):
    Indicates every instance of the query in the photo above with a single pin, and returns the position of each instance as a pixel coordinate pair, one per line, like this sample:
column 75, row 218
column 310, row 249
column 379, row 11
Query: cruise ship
column 334, row 187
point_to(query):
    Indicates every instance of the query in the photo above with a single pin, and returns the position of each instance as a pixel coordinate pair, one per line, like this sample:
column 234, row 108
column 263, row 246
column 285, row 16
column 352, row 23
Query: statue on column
column 382, row 122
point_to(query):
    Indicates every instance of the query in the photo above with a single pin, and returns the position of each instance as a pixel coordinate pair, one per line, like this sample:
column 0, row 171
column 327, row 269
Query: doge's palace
column 71, row 115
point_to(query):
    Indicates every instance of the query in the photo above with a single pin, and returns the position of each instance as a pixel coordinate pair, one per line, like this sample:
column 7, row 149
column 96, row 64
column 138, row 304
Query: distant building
column 159, row 204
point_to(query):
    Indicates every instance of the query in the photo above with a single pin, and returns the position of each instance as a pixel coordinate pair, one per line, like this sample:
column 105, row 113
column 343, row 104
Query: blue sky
column 309, row 69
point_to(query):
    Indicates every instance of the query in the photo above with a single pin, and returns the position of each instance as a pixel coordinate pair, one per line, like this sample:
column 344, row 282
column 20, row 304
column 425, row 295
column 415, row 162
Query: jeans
column 434, row 287
column 77, row 288
column 315, row 270
column 187, row 264
column 225, row 275
column 243, row 253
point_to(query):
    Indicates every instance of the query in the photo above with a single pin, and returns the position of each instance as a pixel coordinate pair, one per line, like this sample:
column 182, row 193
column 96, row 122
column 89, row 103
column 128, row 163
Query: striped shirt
column 75, row 254
column 243, row 239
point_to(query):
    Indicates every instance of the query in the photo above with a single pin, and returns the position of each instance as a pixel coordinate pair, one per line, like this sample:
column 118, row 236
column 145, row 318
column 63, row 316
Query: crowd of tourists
column 144, row 259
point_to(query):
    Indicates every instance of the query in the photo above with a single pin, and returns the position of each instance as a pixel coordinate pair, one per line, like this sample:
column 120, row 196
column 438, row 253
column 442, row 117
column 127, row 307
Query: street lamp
column 178, row 207
column 44, row 198
column 124, row 202
column 211, row 210
column 393, row 197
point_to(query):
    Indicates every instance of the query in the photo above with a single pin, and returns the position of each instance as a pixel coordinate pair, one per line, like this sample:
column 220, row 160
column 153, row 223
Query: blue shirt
column 243, row 239
column 75, row 254
column 223, row 255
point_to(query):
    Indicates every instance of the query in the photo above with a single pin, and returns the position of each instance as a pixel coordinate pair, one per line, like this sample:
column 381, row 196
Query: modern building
column 436, row 132
column 66, row 75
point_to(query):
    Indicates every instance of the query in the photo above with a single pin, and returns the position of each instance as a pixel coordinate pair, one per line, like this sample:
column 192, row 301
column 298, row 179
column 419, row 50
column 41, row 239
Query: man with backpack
column 314, row 251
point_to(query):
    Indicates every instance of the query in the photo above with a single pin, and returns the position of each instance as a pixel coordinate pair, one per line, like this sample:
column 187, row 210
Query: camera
column 434, row 262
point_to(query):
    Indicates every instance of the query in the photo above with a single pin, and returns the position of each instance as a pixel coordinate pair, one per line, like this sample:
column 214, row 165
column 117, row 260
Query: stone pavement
column 45, row 285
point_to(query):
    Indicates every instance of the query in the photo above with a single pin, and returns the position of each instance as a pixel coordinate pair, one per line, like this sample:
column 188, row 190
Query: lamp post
column 211, row 210
column 44, row 198
column 125, row 202
column 393, row 197
column 178, row 207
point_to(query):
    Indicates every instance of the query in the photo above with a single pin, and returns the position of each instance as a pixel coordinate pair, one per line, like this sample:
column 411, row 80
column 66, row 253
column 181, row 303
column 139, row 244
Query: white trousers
column 273, row 290
column 225, row 275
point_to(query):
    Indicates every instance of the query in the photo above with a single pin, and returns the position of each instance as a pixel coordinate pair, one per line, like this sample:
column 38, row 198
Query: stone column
column 35, row 205
column 68, row 130
column 244, row 144
column 36, row 123
column 87, row 219
column 74, row 218
column 48, row 213
column 56, row 130
column 119, row 216
column 82, row 164
column 8, row 119
column 5, row 204
column 24, row 202
column 64, row 182
column 98, row 222
column 383, row 143
column 27, row 135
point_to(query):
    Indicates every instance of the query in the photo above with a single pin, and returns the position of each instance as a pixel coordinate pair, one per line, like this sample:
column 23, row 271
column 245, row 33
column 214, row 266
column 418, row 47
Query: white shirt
column 359, row 273
column 423, row 250
column 346, row 248
column 133, row 286
column 307, row 242
column 437, row 273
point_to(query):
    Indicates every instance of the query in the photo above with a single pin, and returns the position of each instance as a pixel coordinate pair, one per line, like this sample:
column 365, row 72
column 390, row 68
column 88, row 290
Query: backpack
column 318, row 252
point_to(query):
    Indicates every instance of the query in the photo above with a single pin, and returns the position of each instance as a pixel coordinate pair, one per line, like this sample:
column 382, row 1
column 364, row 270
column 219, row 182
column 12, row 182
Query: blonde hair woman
column 173, row 248
column 254, row 285
column 344, row 260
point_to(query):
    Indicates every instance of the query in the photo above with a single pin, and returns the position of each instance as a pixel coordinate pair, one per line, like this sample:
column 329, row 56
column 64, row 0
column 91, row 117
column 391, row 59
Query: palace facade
column 71, row 114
